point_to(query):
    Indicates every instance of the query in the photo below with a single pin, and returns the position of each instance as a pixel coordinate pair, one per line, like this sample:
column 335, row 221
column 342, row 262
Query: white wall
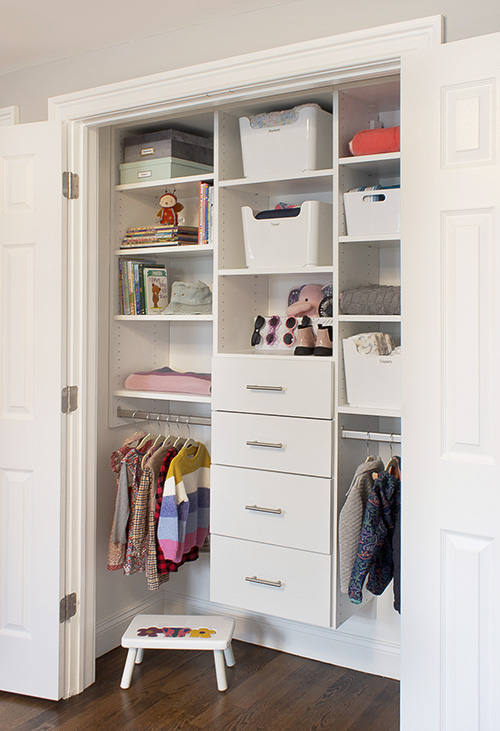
column 275, row 25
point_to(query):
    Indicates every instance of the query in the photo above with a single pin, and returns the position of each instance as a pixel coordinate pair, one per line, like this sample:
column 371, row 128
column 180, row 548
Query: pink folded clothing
column 168, row 380
column 375, row 141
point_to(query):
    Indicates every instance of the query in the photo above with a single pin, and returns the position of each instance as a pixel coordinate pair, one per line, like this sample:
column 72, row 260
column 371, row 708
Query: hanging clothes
column 118, row 537
column 184, row 516
column 351, row 517
column 374, row 556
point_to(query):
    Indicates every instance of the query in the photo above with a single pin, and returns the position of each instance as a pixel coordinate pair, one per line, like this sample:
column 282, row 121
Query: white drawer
column 277, row 443
column 296, row 584
column 287, row 387
column 271, row 507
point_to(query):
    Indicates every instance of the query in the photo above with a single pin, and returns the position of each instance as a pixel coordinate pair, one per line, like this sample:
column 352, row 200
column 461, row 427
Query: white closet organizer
column 147, row 342
column 280, row 467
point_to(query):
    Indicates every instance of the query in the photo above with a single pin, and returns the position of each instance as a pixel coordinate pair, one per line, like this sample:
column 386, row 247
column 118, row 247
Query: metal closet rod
column 370, row 436
column 153, row 416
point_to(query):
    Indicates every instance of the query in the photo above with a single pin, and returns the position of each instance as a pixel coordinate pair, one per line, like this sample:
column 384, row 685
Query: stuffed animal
column 306, row 300
column 170, row 207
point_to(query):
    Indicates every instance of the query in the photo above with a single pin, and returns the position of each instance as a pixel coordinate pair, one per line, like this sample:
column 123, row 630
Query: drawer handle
column 258, row 509
column 253, row 443
column 255, row 387
column 256, row 580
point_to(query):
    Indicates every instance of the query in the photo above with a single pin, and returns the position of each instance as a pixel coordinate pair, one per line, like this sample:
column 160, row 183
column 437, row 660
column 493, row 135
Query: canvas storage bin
column 371, row 380
column 168, row 143
column 160, row 169
column 281, row 242
column 286, row 143
column 372, row 212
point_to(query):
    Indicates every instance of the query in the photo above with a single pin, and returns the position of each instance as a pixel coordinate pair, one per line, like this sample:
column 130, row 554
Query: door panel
column 30, row 408
column 451, row 335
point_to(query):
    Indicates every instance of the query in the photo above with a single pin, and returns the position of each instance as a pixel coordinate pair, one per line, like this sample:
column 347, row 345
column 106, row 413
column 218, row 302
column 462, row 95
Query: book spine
column 137, row 297
column 142, row 301
column 200, row 212
column 131, row 287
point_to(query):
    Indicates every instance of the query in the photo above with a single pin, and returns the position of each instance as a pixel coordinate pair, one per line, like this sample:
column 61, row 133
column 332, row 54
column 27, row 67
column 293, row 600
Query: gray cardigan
column 351, row 517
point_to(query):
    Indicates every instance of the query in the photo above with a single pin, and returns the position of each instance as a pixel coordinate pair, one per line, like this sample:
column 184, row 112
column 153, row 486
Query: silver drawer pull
column 255, row 387
column 255, row 580
column 258, row 509
column 251, row 443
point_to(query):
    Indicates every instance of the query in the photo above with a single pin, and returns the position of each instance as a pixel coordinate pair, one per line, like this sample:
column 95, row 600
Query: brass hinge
column 69, row 399
column 70, row 185
column 67, row 607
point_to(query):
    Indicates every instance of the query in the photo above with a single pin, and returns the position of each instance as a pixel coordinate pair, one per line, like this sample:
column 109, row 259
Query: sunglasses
column 258, row 325
column 289, row 337
column 273, row 323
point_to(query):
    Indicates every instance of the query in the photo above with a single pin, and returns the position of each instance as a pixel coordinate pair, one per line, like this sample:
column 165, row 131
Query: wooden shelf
column 164, row 396
column 384, row 165
column 314, row 181
column 369, row 411
column 164, row 318
column 188, row 250
column 369, row 318
column 189, row 184
column 328, row 269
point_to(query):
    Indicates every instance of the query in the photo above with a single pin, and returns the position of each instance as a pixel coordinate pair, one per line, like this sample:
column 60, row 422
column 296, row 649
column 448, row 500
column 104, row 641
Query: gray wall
column 298, row 20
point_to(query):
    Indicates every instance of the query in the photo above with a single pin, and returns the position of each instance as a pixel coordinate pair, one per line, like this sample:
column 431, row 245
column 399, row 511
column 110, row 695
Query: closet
column 284, row 436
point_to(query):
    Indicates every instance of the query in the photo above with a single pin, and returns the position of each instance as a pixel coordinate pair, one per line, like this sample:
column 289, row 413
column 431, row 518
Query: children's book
column 156, row 289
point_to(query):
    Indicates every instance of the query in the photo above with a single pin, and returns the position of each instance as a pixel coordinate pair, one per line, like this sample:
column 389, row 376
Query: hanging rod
column 370, row 436
column 154, row 416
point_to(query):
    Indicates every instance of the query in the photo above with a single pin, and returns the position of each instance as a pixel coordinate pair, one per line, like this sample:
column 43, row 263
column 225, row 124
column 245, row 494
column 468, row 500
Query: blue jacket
column 374, row 556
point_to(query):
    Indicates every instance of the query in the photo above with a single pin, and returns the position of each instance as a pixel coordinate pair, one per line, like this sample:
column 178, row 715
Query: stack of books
column 205, row 207
column 160, row 236
column 143, row 287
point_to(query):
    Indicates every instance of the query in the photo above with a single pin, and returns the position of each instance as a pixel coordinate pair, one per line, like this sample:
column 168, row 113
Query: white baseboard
column 367, row 655
column 109, row 632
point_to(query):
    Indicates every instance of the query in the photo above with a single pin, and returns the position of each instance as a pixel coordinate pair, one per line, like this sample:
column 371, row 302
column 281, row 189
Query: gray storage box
column 169, row 143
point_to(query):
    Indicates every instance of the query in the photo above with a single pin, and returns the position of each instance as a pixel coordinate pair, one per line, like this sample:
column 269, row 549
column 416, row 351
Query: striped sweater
column 184, row 514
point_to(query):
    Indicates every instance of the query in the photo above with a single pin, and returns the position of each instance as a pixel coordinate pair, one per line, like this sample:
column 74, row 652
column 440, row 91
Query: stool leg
column 129, row 668
column 220, row 669
column 140, row 655
column 228, row 653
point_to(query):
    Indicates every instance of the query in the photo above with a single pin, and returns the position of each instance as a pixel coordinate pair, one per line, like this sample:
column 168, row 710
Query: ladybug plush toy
column 170, row 207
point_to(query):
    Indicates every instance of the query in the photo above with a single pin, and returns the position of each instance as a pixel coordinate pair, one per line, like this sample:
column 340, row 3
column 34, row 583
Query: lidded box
column 168, row 143
column 286, row 143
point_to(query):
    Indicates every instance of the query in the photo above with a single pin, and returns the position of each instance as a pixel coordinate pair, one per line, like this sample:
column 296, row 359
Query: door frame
column 332, row 60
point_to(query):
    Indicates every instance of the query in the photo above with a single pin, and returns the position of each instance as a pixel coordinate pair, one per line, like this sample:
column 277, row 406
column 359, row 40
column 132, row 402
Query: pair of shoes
column 308, row 344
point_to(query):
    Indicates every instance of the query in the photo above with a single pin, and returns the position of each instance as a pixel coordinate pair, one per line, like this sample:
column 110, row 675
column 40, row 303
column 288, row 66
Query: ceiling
column 34, row 33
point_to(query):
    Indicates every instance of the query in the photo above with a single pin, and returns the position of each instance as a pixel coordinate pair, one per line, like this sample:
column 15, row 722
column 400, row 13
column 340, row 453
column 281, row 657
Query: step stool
column 180, row 632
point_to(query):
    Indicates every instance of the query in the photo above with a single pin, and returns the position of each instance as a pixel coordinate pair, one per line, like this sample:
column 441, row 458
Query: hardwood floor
column 268, row 691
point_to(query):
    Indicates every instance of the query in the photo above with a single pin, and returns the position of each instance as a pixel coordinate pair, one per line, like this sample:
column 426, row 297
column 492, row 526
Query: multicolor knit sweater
column 184, row 514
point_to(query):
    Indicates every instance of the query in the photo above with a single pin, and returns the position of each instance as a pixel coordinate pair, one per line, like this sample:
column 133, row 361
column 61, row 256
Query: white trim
column 9, row 115
column 376, row 50
column 336, row 648
column 328, row 60
column 110, row 631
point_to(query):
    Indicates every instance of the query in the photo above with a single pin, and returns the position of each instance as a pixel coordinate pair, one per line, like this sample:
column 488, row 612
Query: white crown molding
column 375, row 51
column 8, row 116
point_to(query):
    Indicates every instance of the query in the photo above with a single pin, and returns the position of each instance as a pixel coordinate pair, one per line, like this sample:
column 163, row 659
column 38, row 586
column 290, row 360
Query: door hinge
column 67, row 607
column 70, row 185
column 69, row 399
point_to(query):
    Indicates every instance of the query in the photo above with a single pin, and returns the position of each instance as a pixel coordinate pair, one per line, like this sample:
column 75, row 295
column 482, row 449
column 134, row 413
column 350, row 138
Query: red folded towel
column 375, row 141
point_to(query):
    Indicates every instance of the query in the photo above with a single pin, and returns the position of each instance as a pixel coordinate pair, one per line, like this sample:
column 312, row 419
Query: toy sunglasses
column 273, row 323
column 258, row 325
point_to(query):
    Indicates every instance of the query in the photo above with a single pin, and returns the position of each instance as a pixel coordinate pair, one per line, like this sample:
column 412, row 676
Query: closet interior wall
column 128, row 344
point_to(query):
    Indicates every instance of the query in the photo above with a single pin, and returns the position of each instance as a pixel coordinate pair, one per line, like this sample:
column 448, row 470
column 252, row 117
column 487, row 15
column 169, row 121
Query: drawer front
column 271, row 580
column 276, row 443
column 286, row 510
column 287, row 387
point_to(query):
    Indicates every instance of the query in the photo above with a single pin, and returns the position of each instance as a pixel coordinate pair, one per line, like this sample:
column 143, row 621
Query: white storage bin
column 286, row 143
column 295, row 241
column 370, row 212
column 372, row 380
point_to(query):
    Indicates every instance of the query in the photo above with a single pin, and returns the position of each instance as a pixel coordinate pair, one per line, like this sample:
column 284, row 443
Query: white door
column 451, row 358
column 30, row 408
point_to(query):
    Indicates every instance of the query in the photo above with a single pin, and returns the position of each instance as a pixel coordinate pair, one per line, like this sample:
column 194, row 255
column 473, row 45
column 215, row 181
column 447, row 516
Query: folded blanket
column 376, row 299
column 170, row 381
column 375, row 141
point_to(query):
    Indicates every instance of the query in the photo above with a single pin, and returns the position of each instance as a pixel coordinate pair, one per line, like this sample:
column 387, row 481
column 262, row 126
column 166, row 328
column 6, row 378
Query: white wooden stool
column 181, row 632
